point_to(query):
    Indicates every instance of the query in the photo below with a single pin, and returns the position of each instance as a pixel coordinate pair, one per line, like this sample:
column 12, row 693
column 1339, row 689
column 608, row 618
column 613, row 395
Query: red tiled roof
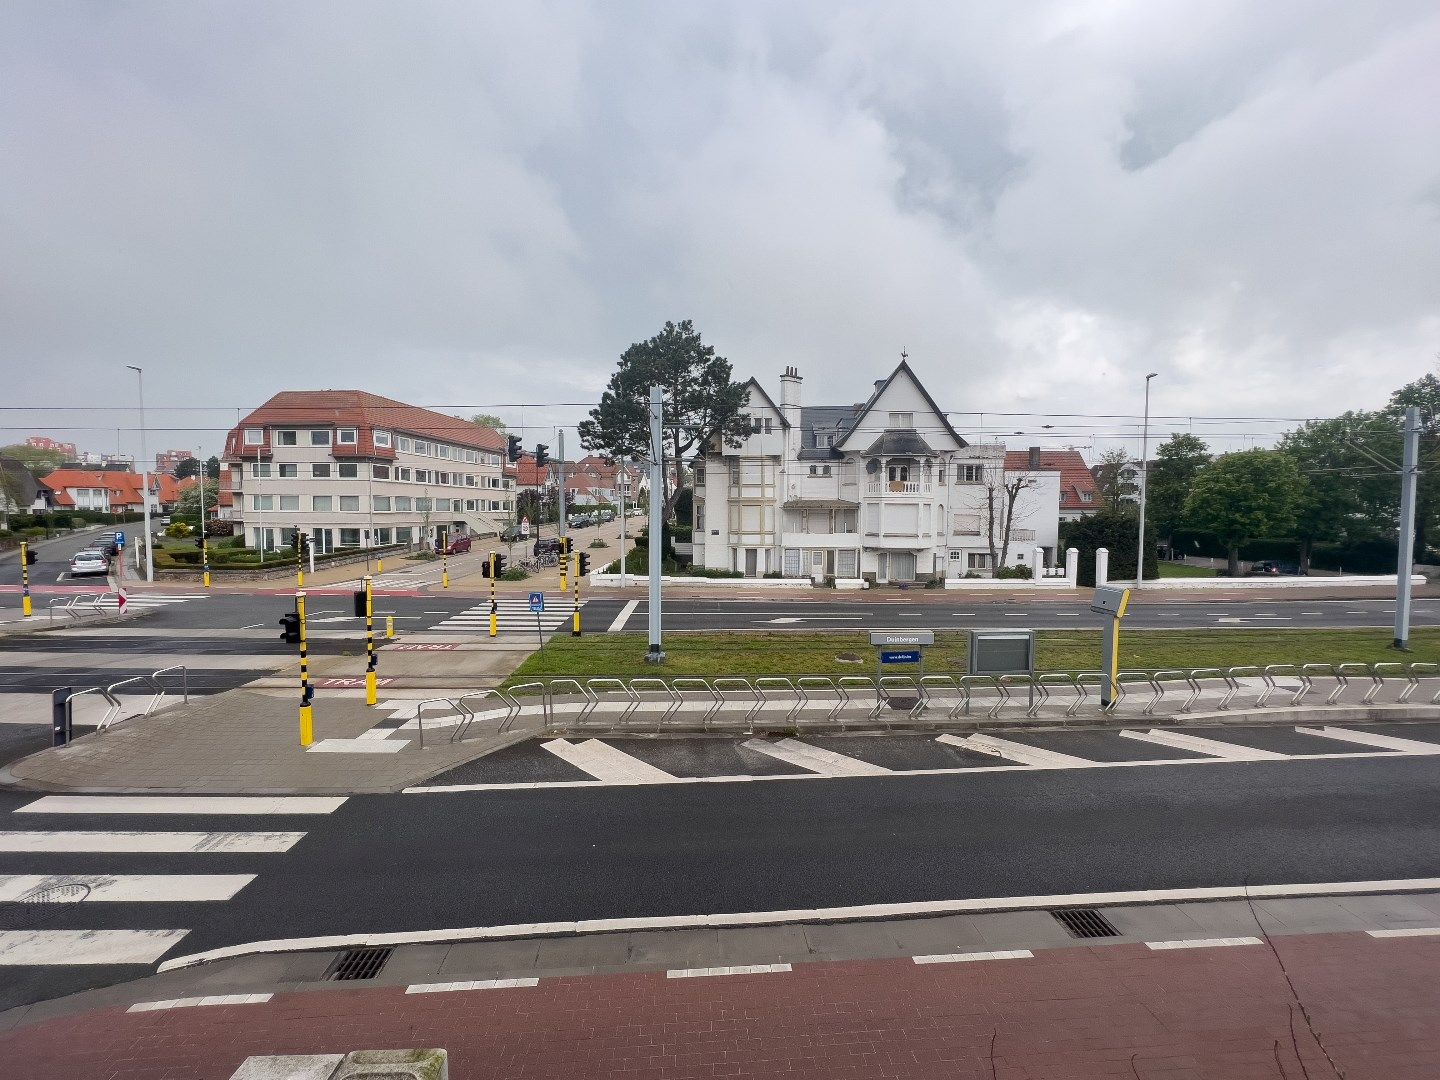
column 528, row 474
column 362, row 410
column 124, row 487
column 1075, row 476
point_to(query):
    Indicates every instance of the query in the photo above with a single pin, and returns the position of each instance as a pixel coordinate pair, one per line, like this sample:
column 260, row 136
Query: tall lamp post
column 1144, row 482
column 145, row 479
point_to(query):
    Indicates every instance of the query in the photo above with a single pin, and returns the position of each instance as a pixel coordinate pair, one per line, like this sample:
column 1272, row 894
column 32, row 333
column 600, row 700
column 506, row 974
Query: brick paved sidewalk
column 1217, row 1013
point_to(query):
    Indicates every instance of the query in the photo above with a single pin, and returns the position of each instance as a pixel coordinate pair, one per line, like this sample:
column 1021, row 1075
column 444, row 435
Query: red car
column 458, row 546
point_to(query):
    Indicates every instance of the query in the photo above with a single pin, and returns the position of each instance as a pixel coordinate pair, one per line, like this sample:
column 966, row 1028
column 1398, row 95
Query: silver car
column 89, row 562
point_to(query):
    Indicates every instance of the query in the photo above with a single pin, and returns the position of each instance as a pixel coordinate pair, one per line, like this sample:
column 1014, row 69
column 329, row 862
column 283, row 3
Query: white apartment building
column 353, row 469
column 886, row 490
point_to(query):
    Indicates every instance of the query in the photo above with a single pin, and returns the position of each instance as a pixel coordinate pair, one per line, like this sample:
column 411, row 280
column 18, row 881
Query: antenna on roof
column 903, row 354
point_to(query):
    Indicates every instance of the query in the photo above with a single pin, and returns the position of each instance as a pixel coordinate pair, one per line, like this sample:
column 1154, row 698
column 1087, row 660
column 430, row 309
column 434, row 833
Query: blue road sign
column 120, row 539
column 900, row 656
column 537, row 602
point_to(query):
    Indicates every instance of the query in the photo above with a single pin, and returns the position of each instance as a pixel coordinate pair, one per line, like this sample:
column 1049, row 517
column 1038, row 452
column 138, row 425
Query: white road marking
column 967, row 957
column 1406, row 931
column 1066, row 614
column 155, row 842
column 1372, row 738
column 817, row 760
column 28, row 948
column 1204, row 943
column 124, row 888
column 190, row 1003
column 358, row 746
column 1026, row 755
column 253, row 626
column 182, row 804
column 745, row 969
column 480, row 984
column 623, row 617
column 1213, row 747
column 807, row 915
column 606, row 763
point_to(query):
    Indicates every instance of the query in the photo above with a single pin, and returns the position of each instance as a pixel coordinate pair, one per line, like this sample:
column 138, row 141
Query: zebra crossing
column 512, row 615
column 45, row 869
column 619, row 760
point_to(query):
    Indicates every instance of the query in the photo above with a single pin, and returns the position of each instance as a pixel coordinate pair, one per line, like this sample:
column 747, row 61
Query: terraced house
column 353, row 469
column 886, row 490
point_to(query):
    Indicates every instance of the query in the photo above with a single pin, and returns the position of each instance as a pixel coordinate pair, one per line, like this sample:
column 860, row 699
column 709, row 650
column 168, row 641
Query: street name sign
column 901, row 637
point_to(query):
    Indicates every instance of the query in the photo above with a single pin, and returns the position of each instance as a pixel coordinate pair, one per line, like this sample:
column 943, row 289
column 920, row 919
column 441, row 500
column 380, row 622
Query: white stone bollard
column 1102, row 566
column 1039, row 568
column 1072, row 566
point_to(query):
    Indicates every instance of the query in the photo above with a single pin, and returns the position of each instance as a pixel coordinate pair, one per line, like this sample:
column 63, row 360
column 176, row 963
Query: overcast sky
column 472, row 204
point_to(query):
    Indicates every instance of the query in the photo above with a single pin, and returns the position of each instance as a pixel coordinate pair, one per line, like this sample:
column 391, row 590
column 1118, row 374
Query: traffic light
column 499, row 565
column 512, row 448
column 565, row 545
column 360, row 603
column 200, row 542
column 542, row 455
column 584, row 563
column 30, row 557
column 304, row 542
column 290, row 627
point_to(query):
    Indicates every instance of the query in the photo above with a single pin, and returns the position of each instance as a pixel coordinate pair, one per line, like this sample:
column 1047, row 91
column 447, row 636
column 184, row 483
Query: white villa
column 886, row 490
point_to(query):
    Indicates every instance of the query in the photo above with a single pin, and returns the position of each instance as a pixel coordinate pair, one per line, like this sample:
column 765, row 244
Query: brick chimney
column 1034, row 459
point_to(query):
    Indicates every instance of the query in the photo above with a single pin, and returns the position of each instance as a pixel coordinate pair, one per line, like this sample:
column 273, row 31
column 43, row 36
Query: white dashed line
column 967, row 957
column 705, row 973
column 1204, row 943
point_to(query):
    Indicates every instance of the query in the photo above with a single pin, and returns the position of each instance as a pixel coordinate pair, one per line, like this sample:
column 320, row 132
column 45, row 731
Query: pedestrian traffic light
column 30, row 557
column 360, row 603
column 290, row 627
column 512, row 448
column 304, row 542
column 200, row 542
column 542, row 455
column 565, row 544
column 499, row 565
column 584, row 563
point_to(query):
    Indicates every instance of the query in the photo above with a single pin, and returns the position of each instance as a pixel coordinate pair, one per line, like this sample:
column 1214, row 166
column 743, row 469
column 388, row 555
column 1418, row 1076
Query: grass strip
column 752, row 653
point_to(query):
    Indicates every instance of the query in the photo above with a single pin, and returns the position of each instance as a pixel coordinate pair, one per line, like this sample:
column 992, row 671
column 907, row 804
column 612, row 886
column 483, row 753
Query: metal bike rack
column 693, row 684
column 764, row 685
column 1415, row 675
column 1308, row 674
column 730, row 684
column 158, row 694
column 1344, row 673
column 1269, row 674
column 1377, row 673
column 587, row 700
column 650, row 684
column 609, row 687
column 420, row 713
column 470, row 714
column 930, row 683
column 1158, row 680
column 1126, row 679
column 967, row 684
column 806, row 685
column 1045, row 680
column 886, row 688
column 858, row 683
column 1233, row 676
column 513, row 693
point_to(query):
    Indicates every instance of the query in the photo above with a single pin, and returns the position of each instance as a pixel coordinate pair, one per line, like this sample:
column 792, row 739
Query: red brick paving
column 1068, row 1014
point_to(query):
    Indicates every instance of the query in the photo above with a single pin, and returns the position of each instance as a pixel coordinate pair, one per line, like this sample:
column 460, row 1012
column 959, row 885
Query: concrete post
column 1102, row 566
column 1072, row 565
column 1039, row 568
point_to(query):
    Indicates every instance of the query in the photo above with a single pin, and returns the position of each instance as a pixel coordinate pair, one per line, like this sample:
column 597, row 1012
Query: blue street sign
column 537, row 602
column 903, row 656
column 120, row 539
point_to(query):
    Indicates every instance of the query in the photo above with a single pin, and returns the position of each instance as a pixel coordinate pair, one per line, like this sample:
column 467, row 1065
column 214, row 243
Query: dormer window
column 824, row 442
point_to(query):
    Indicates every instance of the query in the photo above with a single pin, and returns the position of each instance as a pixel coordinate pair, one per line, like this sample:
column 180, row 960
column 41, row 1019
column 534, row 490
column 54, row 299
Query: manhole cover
column 57, row 894
column 1085, row 923
column 355, row 964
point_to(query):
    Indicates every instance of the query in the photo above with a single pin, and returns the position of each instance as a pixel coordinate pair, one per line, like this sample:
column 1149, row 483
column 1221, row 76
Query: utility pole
column 561, row 527
column 145, row 479
column 1405, row 557
column 657, row 510
column 1144, row 485
column 624, row 477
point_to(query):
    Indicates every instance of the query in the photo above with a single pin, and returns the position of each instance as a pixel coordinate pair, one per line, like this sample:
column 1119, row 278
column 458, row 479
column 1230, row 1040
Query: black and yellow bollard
column 370, row 678
column 494, row 608
column 307, row 693
column 25, row 560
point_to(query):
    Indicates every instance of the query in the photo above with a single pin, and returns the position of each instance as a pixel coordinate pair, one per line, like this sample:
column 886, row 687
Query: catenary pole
column 1144, row 482
column 1405, row 556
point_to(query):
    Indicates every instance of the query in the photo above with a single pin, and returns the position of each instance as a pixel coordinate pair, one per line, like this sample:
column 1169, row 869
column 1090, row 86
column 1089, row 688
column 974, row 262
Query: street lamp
column 145, row 479
column 1144, row 477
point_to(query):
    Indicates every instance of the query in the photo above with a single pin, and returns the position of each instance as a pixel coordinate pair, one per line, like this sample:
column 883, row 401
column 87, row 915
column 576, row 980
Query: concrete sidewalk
column 1320, row 987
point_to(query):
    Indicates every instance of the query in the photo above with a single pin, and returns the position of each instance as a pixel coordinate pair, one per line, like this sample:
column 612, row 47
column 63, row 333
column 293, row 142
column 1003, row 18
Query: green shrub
column 598, row 544
column 178, row 530
column 513, row 573
column 237, row 541
column 682, row 533
column 1012, row 573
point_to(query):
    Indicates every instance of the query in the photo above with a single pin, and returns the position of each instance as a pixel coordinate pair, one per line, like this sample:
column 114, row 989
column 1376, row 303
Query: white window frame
column 347, row 436
column 349, row 504
column 320, row 470
column 290, row 502
column 381, row 438
column 380, row 504
column 261, row 503
column 287, row 437
column 902, row 419
column 260, row 470
column 405, row 445
column 293, row 474
column 254, row 436
column 353, row 466
column 321, row 504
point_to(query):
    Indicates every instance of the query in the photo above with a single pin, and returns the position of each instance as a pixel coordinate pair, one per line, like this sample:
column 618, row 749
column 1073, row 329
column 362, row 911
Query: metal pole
column 204, row 541
column 624, row 475
column 1144, row 477
column 370, row 697
column 563, row 527
column 307, row 693
column 575, row 604
column 1405, row 556
column 145, row 479
column 656, row 655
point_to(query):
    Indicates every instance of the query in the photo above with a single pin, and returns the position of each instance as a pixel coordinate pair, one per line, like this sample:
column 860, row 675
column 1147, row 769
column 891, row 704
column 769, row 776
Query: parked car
column 458, row 545
column 106, row 542
column 547, row 545
column 1265, row 568
column 88, row 563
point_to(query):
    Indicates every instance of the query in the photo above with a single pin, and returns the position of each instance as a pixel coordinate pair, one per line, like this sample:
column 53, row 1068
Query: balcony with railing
column 898, row 487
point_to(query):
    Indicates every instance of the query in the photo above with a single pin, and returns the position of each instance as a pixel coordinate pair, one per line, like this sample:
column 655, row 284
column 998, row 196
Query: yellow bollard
column 205, row 560
column 494, row 620
column 379, row 566
column 307, row 714
column 389, row 626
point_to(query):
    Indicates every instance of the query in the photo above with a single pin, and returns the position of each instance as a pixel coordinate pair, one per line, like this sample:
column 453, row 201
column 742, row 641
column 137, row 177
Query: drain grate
column 1085, row 922
column 357, row 964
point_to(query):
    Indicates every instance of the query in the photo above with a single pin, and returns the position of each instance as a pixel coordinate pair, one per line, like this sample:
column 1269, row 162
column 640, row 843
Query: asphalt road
column 417, row 862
